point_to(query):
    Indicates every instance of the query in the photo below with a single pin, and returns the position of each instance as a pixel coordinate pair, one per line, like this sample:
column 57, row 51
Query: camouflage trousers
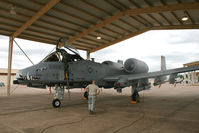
column 91, row 102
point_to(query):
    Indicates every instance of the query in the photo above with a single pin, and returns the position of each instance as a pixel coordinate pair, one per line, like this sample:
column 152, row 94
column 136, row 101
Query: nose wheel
column 58, row 95
column 56, row 103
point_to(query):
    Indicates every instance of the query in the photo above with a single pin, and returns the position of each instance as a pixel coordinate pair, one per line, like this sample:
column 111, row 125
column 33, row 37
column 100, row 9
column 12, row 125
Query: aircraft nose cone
column 18, row 75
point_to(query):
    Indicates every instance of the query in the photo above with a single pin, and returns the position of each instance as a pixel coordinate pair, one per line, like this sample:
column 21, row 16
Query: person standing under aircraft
column 93, row 91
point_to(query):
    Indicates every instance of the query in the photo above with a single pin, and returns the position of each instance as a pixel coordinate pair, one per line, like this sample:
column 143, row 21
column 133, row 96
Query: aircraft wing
column 132, row 77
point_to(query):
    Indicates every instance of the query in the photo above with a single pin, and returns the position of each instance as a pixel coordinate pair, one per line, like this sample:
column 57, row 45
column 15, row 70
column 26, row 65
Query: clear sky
column 179, row 47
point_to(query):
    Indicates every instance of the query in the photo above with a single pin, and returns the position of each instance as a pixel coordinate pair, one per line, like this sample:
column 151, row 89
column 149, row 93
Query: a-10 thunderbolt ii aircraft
column 67, row 70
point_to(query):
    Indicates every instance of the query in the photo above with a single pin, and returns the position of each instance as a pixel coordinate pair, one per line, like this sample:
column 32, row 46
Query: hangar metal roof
column 195, row 63
column 82, row 21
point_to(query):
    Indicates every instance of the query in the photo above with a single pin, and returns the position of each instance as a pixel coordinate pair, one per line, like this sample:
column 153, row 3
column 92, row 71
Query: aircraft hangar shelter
column 91, row 25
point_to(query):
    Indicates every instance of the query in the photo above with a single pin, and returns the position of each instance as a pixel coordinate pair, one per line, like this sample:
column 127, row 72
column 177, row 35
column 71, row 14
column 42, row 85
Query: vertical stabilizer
column 163, row 63
column 161, row 79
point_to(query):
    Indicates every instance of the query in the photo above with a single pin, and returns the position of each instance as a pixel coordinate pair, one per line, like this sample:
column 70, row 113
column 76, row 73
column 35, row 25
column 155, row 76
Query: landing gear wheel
column 56, row 103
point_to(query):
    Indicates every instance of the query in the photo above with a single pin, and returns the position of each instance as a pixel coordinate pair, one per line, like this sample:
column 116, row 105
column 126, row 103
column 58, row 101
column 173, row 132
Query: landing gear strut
column 86, row 95
column 58, row 95
column 135, row 95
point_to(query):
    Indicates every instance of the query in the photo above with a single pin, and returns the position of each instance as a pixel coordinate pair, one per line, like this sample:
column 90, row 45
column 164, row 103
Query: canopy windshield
column 53, row 57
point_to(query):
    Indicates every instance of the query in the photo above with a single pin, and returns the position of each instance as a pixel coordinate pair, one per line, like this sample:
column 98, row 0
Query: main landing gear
column 58, row 95
column 135, row 98
column 86, row 95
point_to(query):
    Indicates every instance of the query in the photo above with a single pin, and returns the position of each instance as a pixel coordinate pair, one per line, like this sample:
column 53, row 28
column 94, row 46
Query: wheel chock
column 83, row 98
column 133, row 102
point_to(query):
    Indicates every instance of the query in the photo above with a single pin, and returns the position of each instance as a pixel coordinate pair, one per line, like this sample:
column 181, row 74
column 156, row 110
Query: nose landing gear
column 58, row 96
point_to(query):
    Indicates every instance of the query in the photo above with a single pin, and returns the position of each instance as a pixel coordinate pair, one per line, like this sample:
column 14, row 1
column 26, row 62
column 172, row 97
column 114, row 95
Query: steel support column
column 193, row 77
column 189, row 78
column 185, row 78
column 88, row 55
column 11, row 39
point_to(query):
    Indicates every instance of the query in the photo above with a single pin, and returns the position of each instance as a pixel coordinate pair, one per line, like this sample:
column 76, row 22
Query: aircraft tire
column 56, row 103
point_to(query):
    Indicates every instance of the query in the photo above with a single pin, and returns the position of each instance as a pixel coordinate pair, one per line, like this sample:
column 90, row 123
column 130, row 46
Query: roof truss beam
column 158, row 9
column 147, row 10
column 47, row 7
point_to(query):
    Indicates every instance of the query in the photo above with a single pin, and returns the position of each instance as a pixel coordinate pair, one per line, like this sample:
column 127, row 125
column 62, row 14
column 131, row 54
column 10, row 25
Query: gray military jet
column 66, row 69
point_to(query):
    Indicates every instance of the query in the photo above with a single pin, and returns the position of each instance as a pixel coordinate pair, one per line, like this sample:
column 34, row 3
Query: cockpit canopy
column 62, row 55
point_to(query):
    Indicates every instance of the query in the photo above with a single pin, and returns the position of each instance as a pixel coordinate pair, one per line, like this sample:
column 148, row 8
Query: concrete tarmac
column 167, row 109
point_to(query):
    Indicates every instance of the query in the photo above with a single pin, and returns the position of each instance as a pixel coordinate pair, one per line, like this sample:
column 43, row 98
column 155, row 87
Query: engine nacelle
column 132, row 65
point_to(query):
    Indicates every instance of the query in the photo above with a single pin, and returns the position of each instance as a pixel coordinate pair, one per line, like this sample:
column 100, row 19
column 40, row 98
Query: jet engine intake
column 132, row 65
